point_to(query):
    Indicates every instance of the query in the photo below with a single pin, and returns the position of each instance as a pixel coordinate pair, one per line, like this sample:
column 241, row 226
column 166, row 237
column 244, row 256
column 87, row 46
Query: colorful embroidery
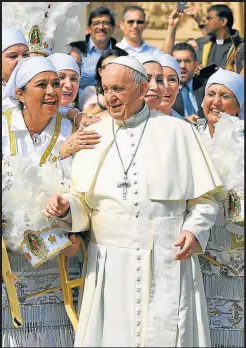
column 36, row 244
column 234, row 206
column 35, row 36
column 52, row 239
column 27, row 256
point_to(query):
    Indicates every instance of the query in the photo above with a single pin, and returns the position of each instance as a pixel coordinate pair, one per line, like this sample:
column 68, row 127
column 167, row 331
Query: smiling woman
column 223, row 262
column 14, row 48
column 37, row 131
column 69, row 75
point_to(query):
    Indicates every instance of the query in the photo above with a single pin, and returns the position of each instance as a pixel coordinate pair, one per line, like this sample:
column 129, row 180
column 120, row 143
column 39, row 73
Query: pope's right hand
column 56, row 206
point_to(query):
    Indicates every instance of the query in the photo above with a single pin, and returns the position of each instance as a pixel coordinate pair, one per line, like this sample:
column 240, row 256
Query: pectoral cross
column 125, row 184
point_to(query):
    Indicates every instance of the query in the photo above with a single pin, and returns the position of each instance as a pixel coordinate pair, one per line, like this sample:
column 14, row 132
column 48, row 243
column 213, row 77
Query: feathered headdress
column 57, row 21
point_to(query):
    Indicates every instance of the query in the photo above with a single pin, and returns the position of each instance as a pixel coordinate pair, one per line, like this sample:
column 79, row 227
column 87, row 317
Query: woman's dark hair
column 239, row 60
column 117, row 52
column 20, row 105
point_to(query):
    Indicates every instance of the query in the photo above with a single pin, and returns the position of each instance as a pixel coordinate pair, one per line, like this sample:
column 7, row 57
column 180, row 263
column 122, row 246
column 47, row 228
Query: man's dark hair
column 117, row 52
column 102, row 11
column 239, row 58
column 223, row 11
column 132, row 8
column 184, row 46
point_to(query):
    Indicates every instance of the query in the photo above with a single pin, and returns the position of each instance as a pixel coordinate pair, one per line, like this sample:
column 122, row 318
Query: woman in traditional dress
column 69, row 74
column 223, row 263
column 14, row 48
column 36, row 130
column 172, row 76
column 159, row 82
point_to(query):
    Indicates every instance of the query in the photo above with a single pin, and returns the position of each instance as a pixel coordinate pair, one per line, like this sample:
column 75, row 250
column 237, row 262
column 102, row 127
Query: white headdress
column 62, row 61
column 12, row 36
column 146, row 58
column 169, row 61
column 57, row 21
column 130, row 62
column 24, row 71
column 231, row 80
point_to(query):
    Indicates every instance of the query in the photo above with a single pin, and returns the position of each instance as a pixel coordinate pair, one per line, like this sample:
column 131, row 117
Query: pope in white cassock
column 146, row 194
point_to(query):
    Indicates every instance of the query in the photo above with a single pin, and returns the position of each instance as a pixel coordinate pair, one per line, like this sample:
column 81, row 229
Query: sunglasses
column 132, row 21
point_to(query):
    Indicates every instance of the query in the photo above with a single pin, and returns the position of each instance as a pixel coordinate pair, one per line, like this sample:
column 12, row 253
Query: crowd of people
column 141, row 152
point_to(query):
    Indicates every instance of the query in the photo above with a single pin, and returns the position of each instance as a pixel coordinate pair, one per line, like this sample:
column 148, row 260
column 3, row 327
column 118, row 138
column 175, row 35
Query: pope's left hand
column 187, row 241
column 72, row 249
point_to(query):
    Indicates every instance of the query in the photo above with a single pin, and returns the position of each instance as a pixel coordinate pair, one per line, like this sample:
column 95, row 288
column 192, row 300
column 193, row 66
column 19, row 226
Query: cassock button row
column 138, row 257
column 136, row 192
column 132, row 145
column 133, row 163
column 131, row 134
column 138, row 323
column 138, row 279
column 138, row 334
column 138, row 268
column 135, row 182
column 137, row 215
column 138, row 312
column 137, row 249
column 135, row 173
column 138, row 301
column 138, row 289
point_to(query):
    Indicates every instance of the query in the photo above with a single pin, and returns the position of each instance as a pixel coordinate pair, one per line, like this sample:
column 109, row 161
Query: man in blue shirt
column 133, row 24
column 101, row 24
column 192, row 89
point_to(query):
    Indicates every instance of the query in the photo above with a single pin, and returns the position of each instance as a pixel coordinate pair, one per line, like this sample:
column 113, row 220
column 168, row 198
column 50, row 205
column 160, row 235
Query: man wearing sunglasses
column 132, row 24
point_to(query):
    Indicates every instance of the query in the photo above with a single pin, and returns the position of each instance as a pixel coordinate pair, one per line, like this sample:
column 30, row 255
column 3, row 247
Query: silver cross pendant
column 125, row 184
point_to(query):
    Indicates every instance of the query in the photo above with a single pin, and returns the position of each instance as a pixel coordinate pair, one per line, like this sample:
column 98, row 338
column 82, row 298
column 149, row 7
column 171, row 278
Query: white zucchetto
column 230, row 80
column 169, row 61
column 24, row 71
column 11, row 37
column 130, row 62
column 147, row 58
column 62, row 61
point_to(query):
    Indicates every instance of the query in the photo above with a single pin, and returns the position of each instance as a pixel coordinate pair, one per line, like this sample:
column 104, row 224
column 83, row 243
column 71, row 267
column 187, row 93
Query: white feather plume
column 61, row 24
column 26, row 188
column 227, row 151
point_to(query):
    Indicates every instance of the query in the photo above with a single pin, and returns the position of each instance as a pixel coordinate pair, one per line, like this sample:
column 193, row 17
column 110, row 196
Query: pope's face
column 219, row 98
column 123, row 98
column 10, row 58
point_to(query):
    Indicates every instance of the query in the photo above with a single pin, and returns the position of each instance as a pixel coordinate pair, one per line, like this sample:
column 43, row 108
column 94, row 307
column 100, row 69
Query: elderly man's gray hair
column 138, row 77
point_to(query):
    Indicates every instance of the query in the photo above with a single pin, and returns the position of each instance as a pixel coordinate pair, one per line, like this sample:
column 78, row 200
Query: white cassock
column 135, row 293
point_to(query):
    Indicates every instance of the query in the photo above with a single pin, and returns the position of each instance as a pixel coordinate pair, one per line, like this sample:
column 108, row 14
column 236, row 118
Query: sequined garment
column 224, row 285
column 45, row 321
